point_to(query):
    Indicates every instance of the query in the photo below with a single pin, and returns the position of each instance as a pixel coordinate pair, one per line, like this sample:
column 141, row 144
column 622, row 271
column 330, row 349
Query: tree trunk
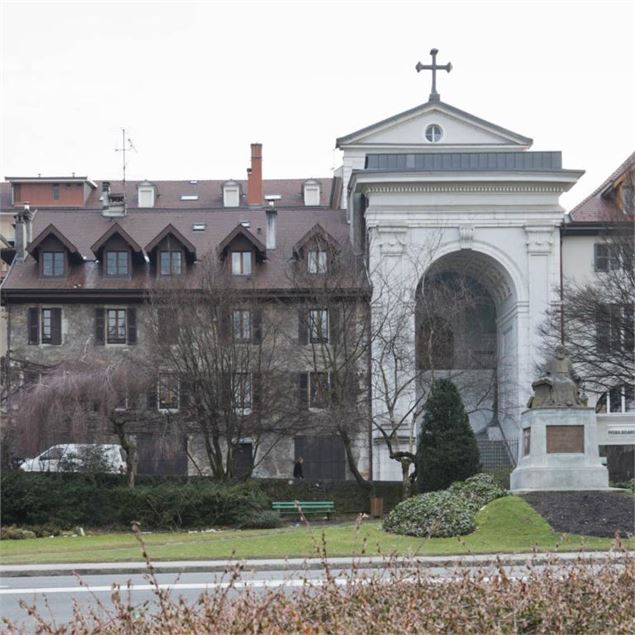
column 352, row 463
column 406, row 485
column 129, row 447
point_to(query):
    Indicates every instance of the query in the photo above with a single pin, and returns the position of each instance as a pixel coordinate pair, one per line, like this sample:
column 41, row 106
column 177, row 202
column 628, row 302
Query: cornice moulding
column 407, row 189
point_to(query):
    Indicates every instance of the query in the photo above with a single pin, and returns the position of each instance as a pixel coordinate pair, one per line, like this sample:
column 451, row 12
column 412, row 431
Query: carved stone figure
column 560, row 386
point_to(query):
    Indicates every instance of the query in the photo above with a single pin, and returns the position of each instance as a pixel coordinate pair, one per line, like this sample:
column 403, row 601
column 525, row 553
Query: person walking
column 297, row 468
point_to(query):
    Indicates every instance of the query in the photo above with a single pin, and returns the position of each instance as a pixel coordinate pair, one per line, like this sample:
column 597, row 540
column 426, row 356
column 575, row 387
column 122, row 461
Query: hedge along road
column 506, row 525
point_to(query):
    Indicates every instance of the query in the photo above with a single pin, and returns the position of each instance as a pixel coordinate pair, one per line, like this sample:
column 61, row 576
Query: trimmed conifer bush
column 447, row 449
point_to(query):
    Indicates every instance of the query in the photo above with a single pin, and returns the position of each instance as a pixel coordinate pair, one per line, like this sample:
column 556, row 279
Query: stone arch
column 475, row 296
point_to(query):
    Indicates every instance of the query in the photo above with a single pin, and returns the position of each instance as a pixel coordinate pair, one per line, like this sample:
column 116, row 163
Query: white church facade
column 437, row 191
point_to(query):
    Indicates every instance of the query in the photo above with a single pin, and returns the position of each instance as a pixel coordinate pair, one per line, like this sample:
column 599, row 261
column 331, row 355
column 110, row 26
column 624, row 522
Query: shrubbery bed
column 69, row 500
column 444, row 513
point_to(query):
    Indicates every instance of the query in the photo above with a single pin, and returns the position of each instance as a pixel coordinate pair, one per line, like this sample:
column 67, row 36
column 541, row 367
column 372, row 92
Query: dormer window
column 311, row 192
column 117, row 264
column 146, row 194
column 241, row 263
column 171, row 262
column 231, row 194
column 53, row 264
column 317, row 261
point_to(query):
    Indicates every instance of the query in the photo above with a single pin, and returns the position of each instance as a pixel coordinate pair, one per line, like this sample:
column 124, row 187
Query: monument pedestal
column 558, row 450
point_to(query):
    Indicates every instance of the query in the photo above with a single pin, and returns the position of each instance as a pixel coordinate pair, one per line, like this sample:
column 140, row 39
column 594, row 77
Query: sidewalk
column 295, row 564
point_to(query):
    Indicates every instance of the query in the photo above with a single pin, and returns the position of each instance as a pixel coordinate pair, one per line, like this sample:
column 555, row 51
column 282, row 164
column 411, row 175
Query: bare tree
column 417, row 340
column 83, row 399
column 334, row 333
column 595, row 319
column 220, row 346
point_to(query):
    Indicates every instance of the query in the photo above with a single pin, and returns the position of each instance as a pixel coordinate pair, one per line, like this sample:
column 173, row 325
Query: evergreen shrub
column 447, row 450
column 70, row 500
column 444, row 513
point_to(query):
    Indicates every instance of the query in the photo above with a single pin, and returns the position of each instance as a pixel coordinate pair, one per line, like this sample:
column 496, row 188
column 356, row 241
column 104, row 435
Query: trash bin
column 376, row 507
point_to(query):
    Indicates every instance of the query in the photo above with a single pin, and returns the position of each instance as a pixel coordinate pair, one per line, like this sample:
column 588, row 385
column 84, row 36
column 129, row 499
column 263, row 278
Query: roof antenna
column 126, row 144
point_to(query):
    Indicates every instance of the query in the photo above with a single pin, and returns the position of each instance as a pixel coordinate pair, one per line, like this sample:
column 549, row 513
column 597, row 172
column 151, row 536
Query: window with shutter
column 241, row 325
column 320, row 390
column 168, row 392
column 318, row 326
column 116, row 328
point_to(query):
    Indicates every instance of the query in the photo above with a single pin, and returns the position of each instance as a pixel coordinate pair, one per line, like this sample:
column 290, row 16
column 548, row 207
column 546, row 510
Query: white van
column 79, row 457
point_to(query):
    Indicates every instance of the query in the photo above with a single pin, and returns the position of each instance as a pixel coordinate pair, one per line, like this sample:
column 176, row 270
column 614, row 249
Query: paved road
column 53, row 594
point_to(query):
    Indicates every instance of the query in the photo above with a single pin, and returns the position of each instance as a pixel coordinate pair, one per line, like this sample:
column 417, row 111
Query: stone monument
column 558, row 445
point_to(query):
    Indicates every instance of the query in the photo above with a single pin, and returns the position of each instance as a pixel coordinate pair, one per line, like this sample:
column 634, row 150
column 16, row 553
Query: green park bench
column 306, row 507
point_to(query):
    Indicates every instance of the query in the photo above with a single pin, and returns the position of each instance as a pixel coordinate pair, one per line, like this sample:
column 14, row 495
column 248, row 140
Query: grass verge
column 506, row 525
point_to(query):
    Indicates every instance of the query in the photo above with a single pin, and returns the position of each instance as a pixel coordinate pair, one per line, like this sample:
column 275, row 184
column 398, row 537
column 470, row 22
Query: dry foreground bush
column 573, row 598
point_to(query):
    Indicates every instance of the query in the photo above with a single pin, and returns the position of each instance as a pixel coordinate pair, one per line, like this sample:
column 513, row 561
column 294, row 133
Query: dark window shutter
column 303, row 390
column 132, row 326
column 602, row 330
column 168, row 326
column 352, row 387
column 335, row 321
column 256, row 390
column 628, row 334
column 100, row 325
column 256, row 325
column 225, row 323
column 303, row 326
column 56, row 326
column 151, row 396
column 184, row 394
column 34, row 325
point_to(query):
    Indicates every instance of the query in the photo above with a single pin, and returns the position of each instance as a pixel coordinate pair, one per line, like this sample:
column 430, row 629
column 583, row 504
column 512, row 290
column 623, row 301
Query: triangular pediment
column 459, row 129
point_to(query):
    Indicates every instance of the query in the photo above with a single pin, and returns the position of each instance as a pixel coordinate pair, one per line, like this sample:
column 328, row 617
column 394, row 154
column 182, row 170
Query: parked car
column 78, row 457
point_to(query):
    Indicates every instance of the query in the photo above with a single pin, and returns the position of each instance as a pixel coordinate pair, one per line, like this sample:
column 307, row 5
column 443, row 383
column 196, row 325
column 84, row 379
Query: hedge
column 69, row 500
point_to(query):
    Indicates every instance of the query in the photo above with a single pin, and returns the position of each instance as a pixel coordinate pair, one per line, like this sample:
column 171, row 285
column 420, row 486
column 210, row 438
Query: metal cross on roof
column 434, row 67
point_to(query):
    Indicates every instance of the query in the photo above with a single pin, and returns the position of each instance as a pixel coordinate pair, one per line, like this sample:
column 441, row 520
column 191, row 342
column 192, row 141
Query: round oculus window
column 434, row 133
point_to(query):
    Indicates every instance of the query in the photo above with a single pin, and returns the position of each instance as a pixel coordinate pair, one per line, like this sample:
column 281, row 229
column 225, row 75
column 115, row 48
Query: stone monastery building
column 452, row 232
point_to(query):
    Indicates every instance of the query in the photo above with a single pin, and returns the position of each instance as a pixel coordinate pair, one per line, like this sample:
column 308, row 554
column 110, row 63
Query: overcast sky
column 195, row 83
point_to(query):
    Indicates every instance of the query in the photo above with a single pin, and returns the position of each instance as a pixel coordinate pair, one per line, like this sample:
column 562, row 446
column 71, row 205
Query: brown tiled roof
column 210, row 193
column 84, row 227
column 597, row 208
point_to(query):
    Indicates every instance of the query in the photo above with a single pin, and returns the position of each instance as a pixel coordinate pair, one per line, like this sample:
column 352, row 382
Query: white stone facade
column 501, row 227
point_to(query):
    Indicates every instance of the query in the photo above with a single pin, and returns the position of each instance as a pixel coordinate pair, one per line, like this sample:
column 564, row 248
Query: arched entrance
column 465, row 324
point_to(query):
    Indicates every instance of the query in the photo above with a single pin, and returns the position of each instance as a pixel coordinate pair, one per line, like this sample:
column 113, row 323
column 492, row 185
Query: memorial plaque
column 565, row 439
column 526, row 441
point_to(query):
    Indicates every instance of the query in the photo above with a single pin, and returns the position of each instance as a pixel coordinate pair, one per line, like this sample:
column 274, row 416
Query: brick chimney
column 254, row 176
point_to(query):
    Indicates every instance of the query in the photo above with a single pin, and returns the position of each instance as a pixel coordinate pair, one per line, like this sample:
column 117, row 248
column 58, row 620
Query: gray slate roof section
column 457, row 161
column 420, row 108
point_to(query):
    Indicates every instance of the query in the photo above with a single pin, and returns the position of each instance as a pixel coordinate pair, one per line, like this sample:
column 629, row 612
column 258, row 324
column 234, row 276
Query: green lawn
column 507, row 525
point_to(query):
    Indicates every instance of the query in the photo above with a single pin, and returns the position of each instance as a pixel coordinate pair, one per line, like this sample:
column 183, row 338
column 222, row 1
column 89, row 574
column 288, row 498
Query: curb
column 301, row 564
